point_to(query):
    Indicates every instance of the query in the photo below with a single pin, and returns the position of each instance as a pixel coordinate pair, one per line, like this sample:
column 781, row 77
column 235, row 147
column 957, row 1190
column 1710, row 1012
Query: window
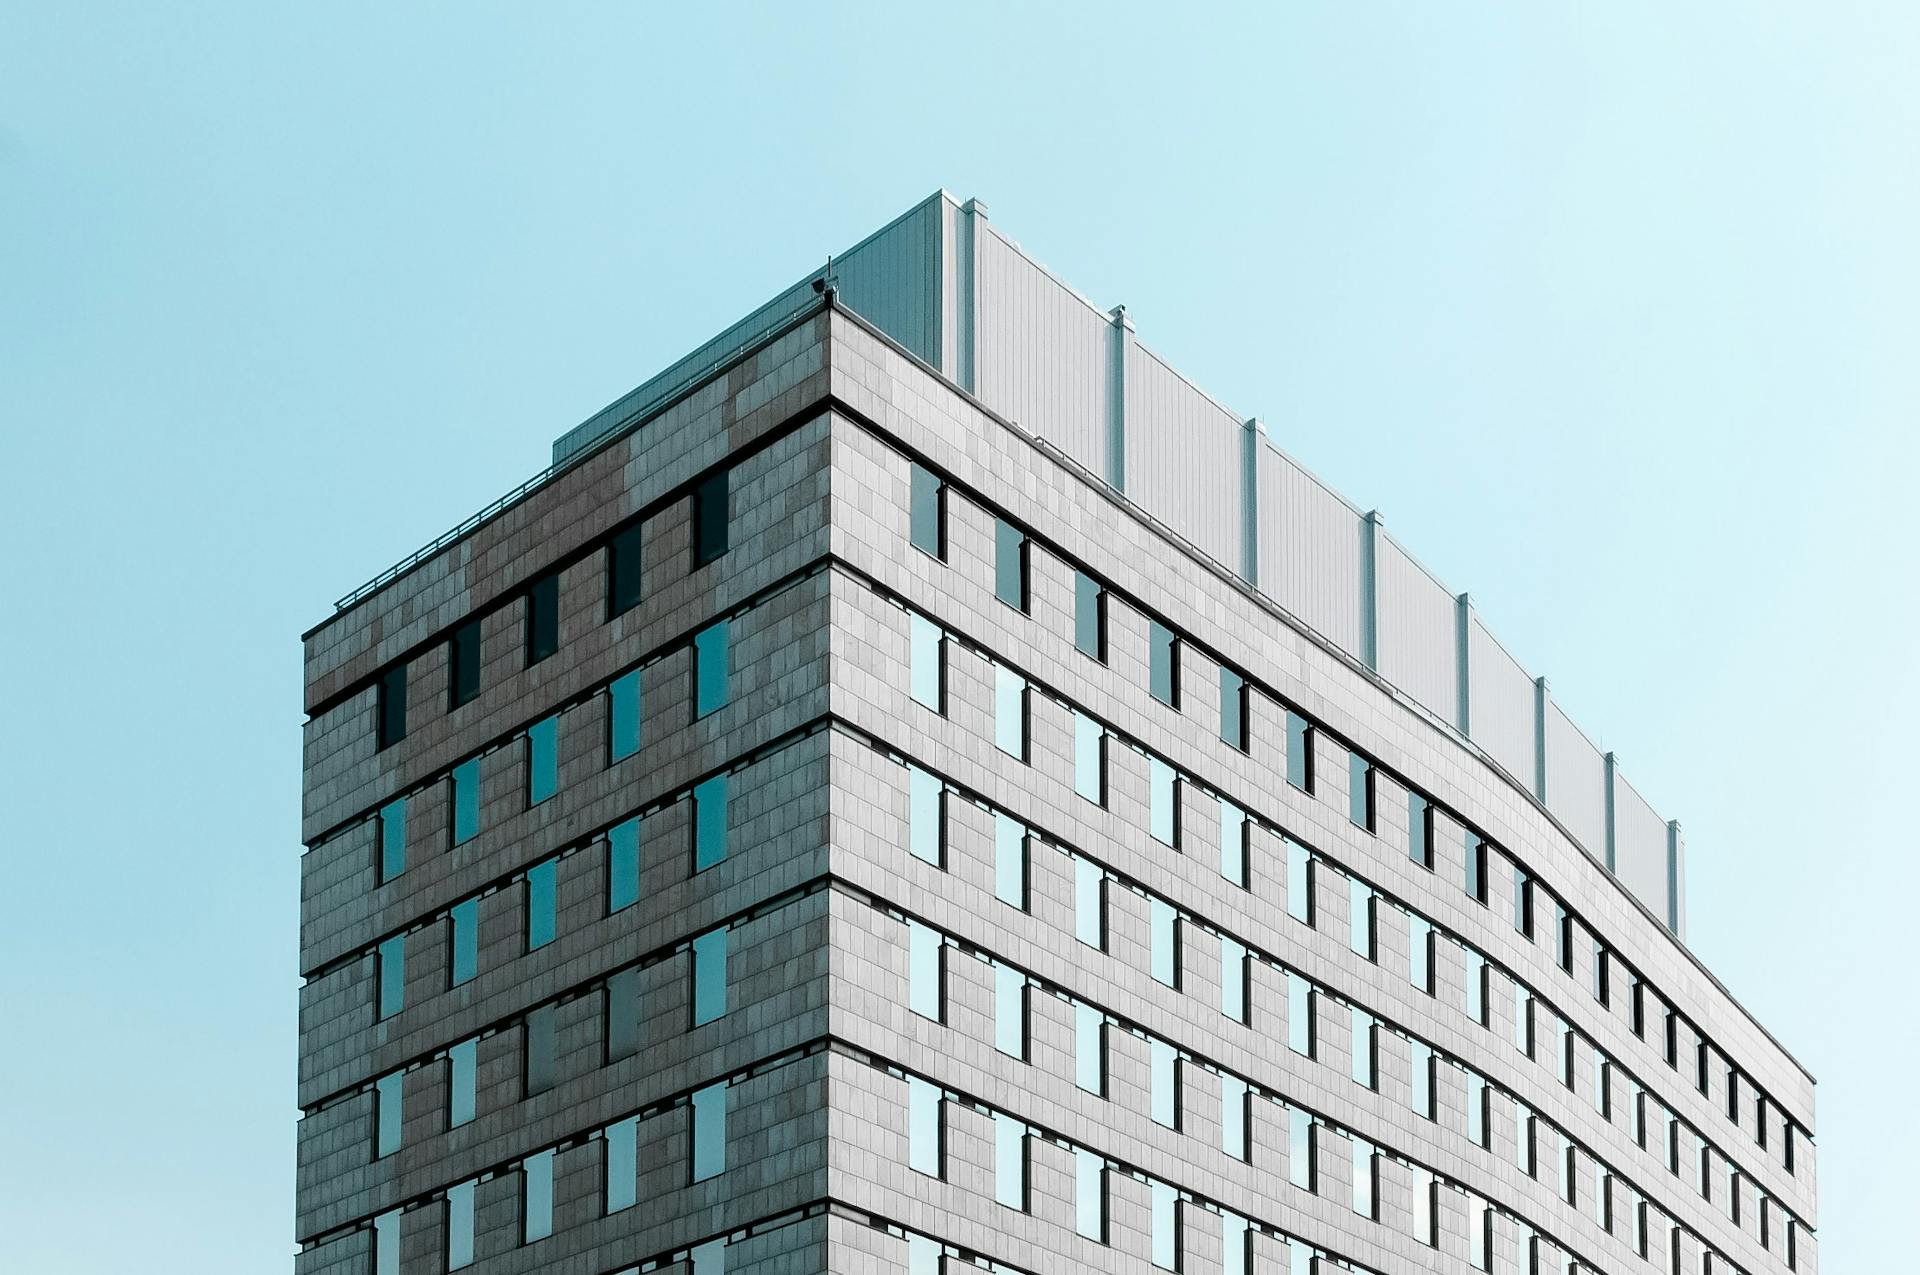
column 1166, row 1225
column 1089, row 616
column 1420, row 952
column 1166, row 1083
column 1009, row 1162
column 1601, row 988
column 1563, row 938
column 1233, row 979
column 1365, row 1060
column 1637, row 1019
column 709, row 976
column 1089, row 1195
column 1009, row 860
column 464, row 918
column 1233, row 843
column 1090, row 903
column 928, row 515
column 1523, row 1019
column 1563, row 1050
column 623, row 716
column 623, row 865
column 1299, row 882
column 466, row 800
column 1477, row 1103
column 1236, row 1245
column 1602, row 1197
column 536, row 1197
column 927, row 658
column 463, row 1062
column 710, row 1258
column 386, row 1243
column 1420, row 830
column 1360, row 918
column 1366, row 1172
column 1522, row 901
column 1165, row 924
column 542, row 890
column 390, row 712
column 622, row 1165
column 926, row 972
column 926, row 1152
column 1010, row 1011
column 463, row 664
column 926, row 817
column 1163, row 664
column 389, row 1116
column 390, row 962
column 623, row 570
column 538, row 1051
column 925, row 1256
column 1090, row 1049
column 1233, row 1117
column 1301, row 1141
column 709, row 822
column 543, row 760
column 460, row 1225
column 1010, row 564
column 1425, row 1201
column 1420, row 1097
column 709, row 1131
column 543, row 618
column 1300, row 1013
column 1089, row 759
column 1479, row 1233
column 1233, row 708
column 1525, row 1155
column 1476, row 880
column 1360, row 791
column 1163, row 802
column 710, row 668
column 710, row 518
column 1476, row 981
column 393, row 839
column 1299, row 751
column 622, row 1028
column 1010, row 712
column 1602, row 1086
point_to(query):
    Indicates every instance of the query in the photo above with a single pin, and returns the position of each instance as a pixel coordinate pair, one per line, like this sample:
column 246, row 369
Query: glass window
column 924, row 1256
column 1089, row 1195
column 1009, row 860
column 1602, row 1085
column 1090, row 1049
column 926, row 1152
column 1476, row 981
column 1300, row 1027
column 538, row 1051
column 709, row 976
column 1165, row 924
column 543, row 618
column 1301, row 1170
column 926, row 817
column 1523, row 1019
column 623, row 570
column 390, row 711
column 1236, row 1245
column 389, row 1116
column 463, row 664
column 1010, row 712
column 543, row 759
column 1166, row 1083
column 1563, row 1050
column 1365, row 1060
column 927, row 659
column 1163, row 802
column 1233, row 843
column 1420, row 830
column 464, row 918
column 393, row 839
column 710, row 517
column 1360, row 791
column 709, row 1131
column 1089, row 903
column 1166, row 1226
column 1299, row 751
column 1010, row 564
column 1524, row 1157
column 1010, row 1011
column 1163, row 663
column 1365, row 1175
column 1009, row 1162
column 1601, row 987
column 1476, row 881
column 1420, row 952
column 623, row 716
column 1477, row 1132
column 536, row 1197
column 623, row 864
column 1233, row 1116
column 1522, row 901
column 928, row 529
column 1233, row 979
column 1421, row 1097
column 1562, row 937
column 1479, row 1233
column 1425, row 1203
column 460, row 1225
column 926, row 973
column 391, row 971
column 1300, row 876
column 1233, row 709
column 466, row 800
column 710, row 667
column 1360, row 918
column 386, row 1243
column 623, row 1014
column 623, row 1164
column 1089, row 759
column 709, row 822
column 542, row 882
column 1089, row 616
column 711, row 1258
column 463, row 1062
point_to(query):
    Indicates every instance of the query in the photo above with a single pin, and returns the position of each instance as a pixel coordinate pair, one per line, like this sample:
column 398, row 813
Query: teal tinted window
column 1163, row 801
column 462, row 1069
column 1300, row 876
column 1523, row 904
column 536, row 1197
column 1165, row 923
column 926, row 973
column 1089, row 759
column 389, row 1116
column 1089, row 616
column 1163, row 664
column 1010, row 564
column 710, row 521
column 1233, row 979
column 1360, row 791
column 391, row 962
column 466, row 800
column 623, row 570
column 1363, row 1062
column 1479, row 1234
column 1009, row 860
column 460, row 1225
column 709, row 822
column 623, row 1164
column 1476, row 981
column 464, row 918
column 1300, row 1011
column 386, row 1243
column 926, row 817
column 1299, row 752
column 928, row 660
column 1476, row 878
column 623, row 864
column 1236, row 1245
column 1360, row 917
column 924, row 1256
column 1233, row 843
column 390, row 712
column 1009, row 1162
column 1010, row 712
column 710, row 668
column 1166, row 1226
column 1010, row 1011
column 1420, row 953
column 538, row 1050
column 1524, row 1157
column 926, row 1151
column 393, row 839
column 1090, row 1049
column 1089, row 1195
column 623, row 716
column 1365, row 1172
column 463, row 664
column 709, row 976
column 928, row 525
column 622, row 1028
column 709, row 1131
column 1089, row 903
column 1233, row 1116
column 710, row 1258
column 542, row 898
column 1420, row 1093
column 1420, row 830
column 543, row 618
column 1166, row 1083
column 1233, row 708
column 1300, row 1149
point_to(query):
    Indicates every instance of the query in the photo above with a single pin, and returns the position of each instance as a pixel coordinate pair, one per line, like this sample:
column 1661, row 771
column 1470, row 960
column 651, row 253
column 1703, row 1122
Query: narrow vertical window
column 463, row 1065
column 1360, row 918
column 1425, row 1201
column 709, row 1131
column 1010, row 548
column 1089, row 758
column 924, row 1256
column 1236, row 1245
column 1420, row 830
column 463, row 664
column 1009, row 1162
column 1301, row 1140
column 1165, row 924
column 393, row 839
column 926, row 1139
column 711, row 517
column 711, row 1258
column 386, row 1243
column 1089, row 1195
column 460, row 1225
column 623, row 716
column 623, row 570
column 1524, row 1155
column 1476, row 878
column 1233, row 843
column 1523, row 1019
column 1360, row 792
column 1300, row 876
column 1233, row 1116
column 1233, row 979
column 390, row 713
column 1477, row 1103
column 1010, row 1011
column 1009, row 860
column 1420, row 952
column 711, row 668
column 537, row 1052
column 709, row 976
column 622, row 1026
column 536, row 1197
column 1300, row 1014
column 1163, row 664
column 543, row 618
column 1090, row 903
column 1165, row 1060
column 709, row 822
column 1420, row 1094
column 1602, row 989
column 1163, row 802
column 1165, row 1201
column 466, row 800
column 1563, row 938
column 928, row 516
column 1522, row 901
column 1090, row 1049
column 1010, row 712
column 390, row 961
column 1479, row 1233
column 1233, row 709
column 926, row 817
column 623, row 864
column 926, row 972
column 542, row 903
column 1602, row 1084
column 1366, row 1172
column 1476, row 984
column 1089, row 616
column 927, row 658
column 1563, row 1050
column 1365, row 1029
column 543, row 760
column 463, row 918
column 1300, row 734
column 389, row 1115
column 622, row 1165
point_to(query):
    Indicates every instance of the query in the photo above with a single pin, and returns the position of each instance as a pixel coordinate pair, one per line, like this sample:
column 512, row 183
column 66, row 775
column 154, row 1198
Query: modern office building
column 919, row 786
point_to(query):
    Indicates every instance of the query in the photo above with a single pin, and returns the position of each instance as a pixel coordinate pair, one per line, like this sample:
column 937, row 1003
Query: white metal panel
column 1183, row 457
column 1309, row 549
column 1576, row 783
column 1418, row 632
column 1500, row 696
column 1639, row 847
column 1042, row 353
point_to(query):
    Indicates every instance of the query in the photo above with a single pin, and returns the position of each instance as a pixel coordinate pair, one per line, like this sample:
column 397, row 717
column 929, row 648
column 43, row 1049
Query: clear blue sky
column 1610, row 308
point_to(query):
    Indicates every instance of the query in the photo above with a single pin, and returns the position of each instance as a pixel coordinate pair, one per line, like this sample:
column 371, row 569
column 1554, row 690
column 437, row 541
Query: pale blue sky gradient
column 1611, row 309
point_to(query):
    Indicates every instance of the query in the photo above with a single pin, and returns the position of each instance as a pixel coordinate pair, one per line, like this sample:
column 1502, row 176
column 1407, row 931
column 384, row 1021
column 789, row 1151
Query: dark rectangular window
column 393, row 839
column 929, row 513
column 463, row 664
column 1476, row 878
column 710, row 510
column 711, row 664
column 1360, row 791
column 1522, row 901
column 1420, row 830
column 1010, row 564
column 1089, row 616
column 1233, row 708
column 1299, row 751
column 622, row 1029
column 537, row 1056
column 391, row 717
column 1163, row 658
column 543, row 618
column 623, row 570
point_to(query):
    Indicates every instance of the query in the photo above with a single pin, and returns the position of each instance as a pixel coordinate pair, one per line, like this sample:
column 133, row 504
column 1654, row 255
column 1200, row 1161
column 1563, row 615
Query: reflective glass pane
column 1089, row 1195
column 1165, row 923
column 623, row 864
column 623, row 716
column 1233, row 843
column 463, row 664
column 1089, row 759
column 1010, row 1011
column 390, row 714
column 1300, row 1000
column 710, row 1258
column 465, row 919
column 1163, row 663
column 1166, row 1083
column 1360, row 917
column 1010, row 1162
column 1009, row 563
column 389, row 1115
column 1476, row 1109
column 709, row 976
column 1233, row 709
column 1089, row 616
column 1299, row 752
column 927, row 660
column 623, row 1164
column 1010, row 712
column 1362, row 1062
column 623, row 569
column 1476, row 985
column 923, row 1255
column 1089, row 903
column 543, row 618
column 391, row 958
column 1420, row 953
column 709, row 822
column 543, row 760
column 466, row 800
column 1523, row 1019
column 926, row 817
column 536, row 1197
column 1421, row 1097
column 926, row 958
column 1233, row 1116
column 710, row 520
column 1419, row 830
column 925, row 1136
column 1163, row 801
column 623, row 1013
column 1009, row 860
column 928, row 529
column 1233, row 979
column 709, row 1131
column 539, row 1052
column 1299, row 882
column 710, row 667
column 1365, row 1166
column 386, row 1243
column 1300, row 1149
column 393, row 839
column 1166, row 1226
column 542, row 886
column 462, row 1065
column 1360, row 791
column 1090, row 1049
column 1236, row 1251
column 460, row 1225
